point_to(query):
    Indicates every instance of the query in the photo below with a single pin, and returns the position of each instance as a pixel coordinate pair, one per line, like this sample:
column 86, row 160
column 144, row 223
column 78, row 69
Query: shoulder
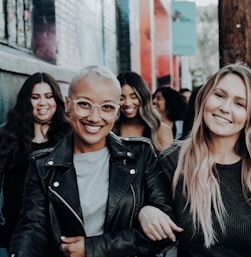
column 130, row 140
column 169, row 157
column 41, row 153
column 173, row 149
column 121, row 145
column 164, row 128
column 165, row 135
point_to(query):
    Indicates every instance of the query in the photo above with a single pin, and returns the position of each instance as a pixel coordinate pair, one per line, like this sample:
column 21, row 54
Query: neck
column 40, row 133
column 224, row 150
column 134, row 121
column 167, row 121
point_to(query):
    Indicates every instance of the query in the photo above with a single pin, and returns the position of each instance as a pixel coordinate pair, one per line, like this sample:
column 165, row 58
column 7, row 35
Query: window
column 16, row 23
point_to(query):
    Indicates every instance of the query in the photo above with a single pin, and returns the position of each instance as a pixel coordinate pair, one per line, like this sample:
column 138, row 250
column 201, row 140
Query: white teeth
column 221, row 119
column 129, row 110
column 42, row 111
column 93, row 128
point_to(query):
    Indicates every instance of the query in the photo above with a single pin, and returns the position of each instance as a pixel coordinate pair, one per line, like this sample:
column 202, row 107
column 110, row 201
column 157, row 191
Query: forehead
column 96, row 88
column 233, row 84
column 127, row 89
column 159, row 94
column 41, row 88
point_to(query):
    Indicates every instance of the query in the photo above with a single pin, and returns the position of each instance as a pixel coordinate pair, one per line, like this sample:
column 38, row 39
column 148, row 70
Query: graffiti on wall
column 44, row 30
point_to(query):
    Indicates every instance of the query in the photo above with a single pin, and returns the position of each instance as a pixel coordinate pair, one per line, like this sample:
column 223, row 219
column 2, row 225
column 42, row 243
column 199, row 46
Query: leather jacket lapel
column 65, row 185
column 120, row 180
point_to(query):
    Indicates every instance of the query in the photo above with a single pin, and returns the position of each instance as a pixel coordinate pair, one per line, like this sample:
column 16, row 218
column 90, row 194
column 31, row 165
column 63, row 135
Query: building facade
column 62, row 36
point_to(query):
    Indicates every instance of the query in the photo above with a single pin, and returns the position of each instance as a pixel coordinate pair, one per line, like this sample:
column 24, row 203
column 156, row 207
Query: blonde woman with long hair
column 209, row 173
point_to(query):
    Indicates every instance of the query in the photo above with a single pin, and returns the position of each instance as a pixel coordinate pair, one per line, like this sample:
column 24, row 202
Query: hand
column 156, row 224
column 73, row 246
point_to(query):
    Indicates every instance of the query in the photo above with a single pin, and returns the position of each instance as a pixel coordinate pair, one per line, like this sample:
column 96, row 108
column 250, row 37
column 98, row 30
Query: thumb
column 70, row 240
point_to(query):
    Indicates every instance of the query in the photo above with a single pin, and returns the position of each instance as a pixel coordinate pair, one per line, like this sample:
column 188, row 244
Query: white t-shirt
column 92, row 171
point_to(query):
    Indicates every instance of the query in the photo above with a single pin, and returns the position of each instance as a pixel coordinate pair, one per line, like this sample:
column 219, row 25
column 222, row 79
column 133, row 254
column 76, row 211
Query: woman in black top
column 208, row 174
column 37, row 121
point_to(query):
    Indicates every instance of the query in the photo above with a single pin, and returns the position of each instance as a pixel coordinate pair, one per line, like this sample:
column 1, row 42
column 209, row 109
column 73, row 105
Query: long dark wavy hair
column 147, row 112
column 175, row 104
column 18, row 131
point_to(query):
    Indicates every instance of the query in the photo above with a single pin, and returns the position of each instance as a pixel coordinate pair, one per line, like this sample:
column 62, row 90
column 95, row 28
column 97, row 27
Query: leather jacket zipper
column 134, row 204
column 68, row 206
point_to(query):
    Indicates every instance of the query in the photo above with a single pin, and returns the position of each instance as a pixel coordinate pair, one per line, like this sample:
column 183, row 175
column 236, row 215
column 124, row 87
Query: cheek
column 33, row 104
column 52, row 103
column 242, row 117
column 162, row 105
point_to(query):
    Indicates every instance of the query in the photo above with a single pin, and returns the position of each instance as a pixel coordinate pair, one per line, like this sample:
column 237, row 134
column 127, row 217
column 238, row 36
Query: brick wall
column 76, row 33
column 86, row 33
column 110, row 35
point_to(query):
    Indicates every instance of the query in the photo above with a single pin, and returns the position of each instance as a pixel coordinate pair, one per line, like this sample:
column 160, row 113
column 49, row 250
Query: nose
column 226, row 106
column 94, row 116
column 42, row 100
column 127, row 101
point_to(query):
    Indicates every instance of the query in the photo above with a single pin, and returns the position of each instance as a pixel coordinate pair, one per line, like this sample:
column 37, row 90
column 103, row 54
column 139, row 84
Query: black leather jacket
column 52, row 207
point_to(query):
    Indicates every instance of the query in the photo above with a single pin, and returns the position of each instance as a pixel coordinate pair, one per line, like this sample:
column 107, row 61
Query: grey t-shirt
column 92, row 171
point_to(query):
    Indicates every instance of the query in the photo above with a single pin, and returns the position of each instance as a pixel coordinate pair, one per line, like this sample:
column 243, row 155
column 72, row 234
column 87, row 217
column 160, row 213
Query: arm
column 156, row 224
column 32, row 232
column 165, row 136
column 132, row 241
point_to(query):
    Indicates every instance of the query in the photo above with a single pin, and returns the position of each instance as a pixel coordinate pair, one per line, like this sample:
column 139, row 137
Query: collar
column 62, row 155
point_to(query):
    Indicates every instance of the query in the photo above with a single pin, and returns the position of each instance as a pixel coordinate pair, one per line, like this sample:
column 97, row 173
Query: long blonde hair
column 196, row 164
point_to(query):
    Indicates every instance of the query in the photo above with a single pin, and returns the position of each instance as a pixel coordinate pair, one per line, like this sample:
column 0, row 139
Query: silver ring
column 63, row 248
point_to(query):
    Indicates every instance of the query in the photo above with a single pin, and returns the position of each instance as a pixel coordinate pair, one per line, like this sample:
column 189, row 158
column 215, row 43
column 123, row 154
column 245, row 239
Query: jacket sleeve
column 132, row 241
column 31, row 235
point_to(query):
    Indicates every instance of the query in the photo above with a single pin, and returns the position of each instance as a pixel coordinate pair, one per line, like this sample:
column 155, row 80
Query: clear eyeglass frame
column 84, row 107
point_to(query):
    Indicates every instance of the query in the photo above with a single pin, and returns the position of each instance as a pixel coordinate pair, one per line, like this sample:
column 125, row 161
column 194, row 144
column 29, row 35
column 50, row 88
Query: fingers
column 72, row 246
column 173, row 226
column 168, row 227
column 69, row 240
column 161, row 228
column 65, row 249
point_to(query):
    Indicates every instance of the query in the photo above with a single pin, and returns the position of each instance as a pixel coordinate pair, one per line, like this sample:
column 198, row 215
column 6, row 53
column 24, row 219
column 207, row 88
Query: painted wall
column 155, row 40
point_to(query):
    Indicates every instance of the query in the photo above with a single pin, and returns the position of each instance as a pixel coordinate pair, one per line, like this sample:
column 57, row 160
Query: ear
column 67, row 104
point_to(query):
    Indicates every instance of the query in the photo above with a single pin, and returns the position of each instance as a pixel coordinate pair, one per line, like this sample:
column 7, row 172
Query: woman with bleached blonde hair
column 209, row 173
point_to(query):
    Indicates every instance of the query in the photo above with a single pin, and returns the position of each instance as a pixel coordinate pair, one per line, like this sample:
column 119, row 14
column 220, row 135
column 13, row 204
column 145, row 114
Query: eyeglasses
column 84, row 108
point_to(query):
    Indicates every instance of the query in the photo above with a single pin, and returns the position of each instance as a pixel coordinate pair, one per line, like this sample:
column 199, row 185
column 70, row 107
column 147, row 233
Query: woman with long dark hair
column 172, row 107
column 138, row 117
column 37, row 121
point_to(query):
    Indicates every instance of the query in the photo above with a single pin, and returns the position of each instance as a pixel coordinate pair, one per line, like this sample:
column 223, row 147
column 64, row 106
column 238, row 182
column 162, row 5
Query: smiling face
column 129, row 102
column 160, row 103
column 225, row 111
column 90, row 132
column 43, row 103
